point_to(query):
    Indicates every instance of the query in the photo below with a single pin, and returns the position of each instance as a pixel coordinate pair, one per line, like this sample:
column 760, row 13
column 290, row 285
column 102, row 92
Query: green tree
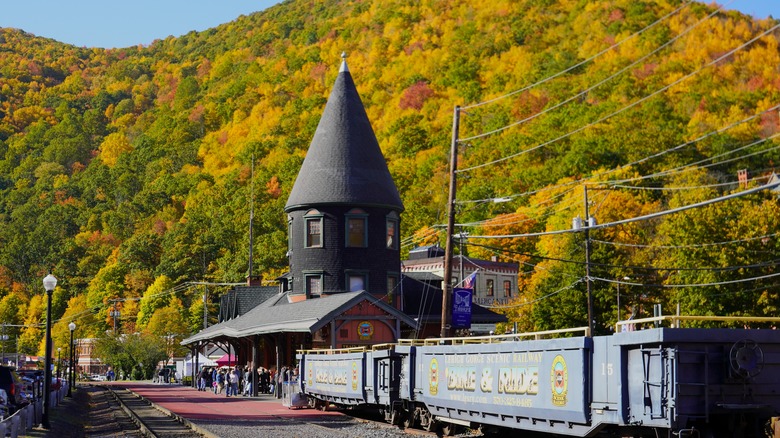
column 155, row 297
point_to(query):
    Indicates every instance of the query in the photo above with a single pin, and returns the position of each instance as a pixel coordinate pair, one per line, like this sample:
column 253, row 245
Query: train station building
column 345, row 286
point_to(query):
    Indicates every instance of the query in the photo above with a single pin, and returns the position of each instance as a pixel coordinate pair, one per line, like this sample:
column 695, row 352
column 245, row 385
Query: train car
column 334, row 376
column 658, row 381
column 500, row 382
column 352, row 378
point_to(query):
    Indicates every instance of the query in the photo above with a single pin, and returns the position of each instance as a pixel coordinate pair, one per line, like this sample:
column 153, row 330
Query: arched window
column 357, row 228
column 313, row 223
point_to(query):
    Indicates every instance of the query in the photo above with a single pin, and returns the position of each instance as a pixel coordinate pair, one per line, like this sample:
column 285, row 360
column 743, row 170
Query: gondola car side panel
column 338, row 378
column 534, row 385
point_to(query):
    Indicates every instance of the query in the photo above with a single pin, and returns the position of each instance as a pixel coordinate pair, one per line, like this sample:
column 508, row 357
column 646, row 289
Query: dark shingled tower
column 343, row 210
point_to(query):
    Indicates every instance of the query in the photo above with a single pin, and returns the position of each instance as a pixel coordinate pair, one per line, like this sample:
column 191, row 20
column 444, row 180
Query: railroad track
column 149, row 420
column 117, row 412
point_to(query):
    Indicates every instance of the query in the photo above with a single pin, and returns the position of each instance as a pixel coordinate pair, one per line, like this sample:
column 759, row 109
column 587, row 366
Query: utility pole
column 205, row 306
column 251, row 224
column 589, row 222
column 446, row 312
column 115, row 314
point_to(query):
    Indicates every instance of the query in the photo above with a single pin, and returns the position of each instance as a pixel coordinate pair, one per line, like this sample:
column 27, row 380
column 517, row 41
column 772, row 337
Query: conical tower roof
column 344, row 165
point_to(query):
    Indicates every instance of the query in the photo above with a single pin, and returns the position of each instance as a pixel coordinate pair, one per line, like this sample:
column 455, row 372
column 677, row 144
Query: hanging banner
column 461, row 308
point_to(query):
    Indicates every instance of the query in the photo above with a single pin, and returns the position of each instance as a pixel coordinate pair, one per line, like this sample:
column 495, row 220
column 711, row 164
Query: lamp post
column 59, row 362
column 49, row 283
column 72, row 368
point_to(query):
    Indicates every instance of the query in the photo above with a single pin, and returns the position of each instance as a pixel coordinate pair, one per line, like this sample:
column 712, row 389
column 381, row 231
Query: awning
column 227, row 360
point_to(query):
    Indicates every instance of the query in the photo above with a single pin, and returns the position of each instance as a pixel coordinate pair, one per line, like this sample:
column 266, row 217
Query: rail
column 676, row 320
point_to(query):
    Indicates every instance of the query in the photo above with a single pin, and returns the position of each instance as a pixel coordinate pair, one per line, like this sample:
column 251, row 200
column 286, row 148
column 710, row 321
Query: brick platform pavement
column 192, row 404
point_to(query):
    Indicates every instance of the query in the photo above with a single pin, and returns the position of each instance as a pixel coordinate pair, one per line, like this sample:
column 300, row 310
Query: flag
column 470, row 281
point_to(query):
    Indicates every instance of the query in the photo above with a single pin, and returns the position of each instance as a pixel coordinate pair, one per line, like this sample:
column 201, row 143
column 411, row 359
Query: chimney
column 254, row 280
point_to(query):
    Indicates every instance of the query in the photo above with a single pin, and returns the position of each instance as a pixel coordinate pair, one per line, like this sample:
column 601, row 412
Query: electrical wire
column 598, row 84
column 719, row 283
column 625, row 108
column 771, row 263
column 542, row 298
column 700, row 245
column 638, row 218
column 580, row 64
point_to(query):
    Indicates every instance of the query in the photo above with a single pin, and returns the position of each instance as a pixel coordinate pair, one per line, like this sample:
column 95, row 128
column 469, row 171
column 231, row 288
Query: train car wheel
column 320, row 405
column 428, row 423
column 408, row 421
column 449, row 429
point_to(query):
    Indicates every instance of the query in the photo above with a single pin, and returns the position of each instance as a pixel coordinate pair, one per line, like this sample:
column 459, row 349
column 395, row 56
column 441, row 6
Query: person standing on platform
column 232, row 379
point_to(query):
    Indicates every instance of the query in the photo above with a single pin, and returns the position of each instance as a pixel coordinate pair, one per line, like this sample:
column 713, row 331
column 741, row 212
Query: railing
column 546, row 334
column 30, row 416
column 495, row 338
column 676, row 320
column 336, row 350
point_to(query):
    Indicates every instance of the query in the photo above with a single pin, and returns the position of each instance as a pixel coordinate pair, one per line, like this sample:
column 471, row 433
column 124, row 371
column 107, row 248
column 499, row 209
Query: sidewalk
column 192, row 404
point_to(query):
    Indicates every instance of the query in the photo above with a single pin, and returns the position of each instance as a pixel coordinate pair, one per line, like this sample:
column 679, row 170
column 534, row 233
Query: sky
column 116, row 24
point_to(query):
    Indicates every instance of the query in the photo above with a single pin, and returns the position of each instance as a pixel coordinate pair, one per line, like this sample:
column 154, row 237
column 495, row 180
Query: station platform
column 189, row 403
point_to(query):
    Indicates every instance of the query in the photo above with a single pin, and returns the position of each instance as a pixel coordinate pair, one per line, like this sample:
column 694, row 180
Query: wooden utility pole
column 446, row 311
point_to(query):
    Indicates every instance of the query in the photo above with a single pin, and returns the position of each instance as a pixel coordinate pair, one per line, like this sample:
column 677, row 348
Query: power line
column 598, row 84
column 638, row 218
column 562, row 72
column 679, row 188
column 770, row 263
column 668, row 172
column 719, row 283
column 623, row 109
column 700, row 245
column 542, row 298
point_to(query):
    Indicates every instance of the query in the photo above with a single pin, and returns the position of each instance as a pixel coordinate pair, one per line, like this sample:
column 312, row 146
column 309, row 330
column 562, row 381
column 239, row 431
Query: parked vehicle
column 33, row 383
column 14, row 387
column 4, row 410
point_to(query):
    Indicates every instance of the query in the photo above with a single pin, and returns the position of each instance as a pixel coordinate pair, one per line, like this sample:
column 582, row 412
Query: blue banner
column 461, row 308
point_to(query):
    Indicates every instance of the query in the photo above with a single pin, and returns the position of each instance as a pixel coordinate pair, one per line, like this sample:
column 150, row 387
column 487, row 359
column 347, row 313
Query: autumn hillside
column 127, row 172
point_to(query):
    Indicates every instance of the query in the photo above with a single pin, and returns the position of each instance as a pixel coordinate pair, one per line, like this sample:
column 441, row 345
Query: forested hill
column 126, row 172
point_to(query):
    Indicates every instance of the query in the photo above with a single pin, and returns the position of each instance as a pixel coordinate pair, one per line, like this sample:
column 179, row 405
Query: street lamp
column 49, row 283
column 59, row 362
column 72, row 374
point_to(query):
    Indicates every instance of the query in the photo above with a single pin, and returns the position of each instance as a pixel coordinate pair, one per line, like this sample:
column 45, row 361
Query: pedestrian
column 202, row 377
column 220, row 382
column 233, row 383
column 247, row 382
column 265, row 380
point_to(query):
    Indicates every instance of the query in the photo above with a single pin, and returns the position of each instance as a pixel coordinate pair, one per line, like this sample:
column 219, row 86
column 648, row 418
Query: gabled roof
column 277, row 315
column 344, row 164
